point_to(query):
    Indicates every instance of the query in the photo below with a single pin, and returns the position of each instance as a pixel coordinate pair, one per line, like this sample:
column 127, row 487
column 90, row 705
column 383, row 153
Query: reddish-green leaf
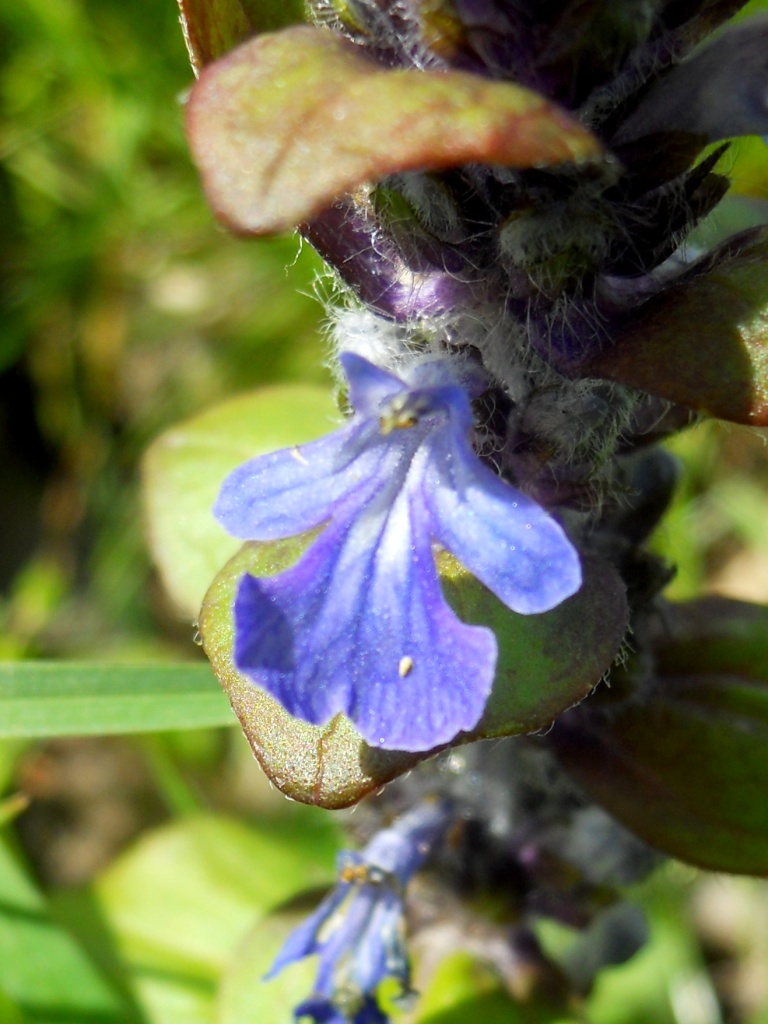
column 546, row 663
column 703, row 342
column 684, row 761
column 291, row 120
column 330, row 765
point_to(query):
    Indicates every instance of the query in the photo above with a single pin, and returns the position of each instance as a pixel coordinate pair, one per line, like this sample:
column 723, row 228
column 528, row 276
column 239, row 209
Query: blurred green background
column 124, row 310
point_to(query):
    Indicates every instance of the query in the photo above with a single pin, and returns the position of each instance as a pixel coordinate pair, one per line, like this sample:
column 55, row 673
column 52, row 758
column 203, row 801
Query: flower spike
column 358, row 930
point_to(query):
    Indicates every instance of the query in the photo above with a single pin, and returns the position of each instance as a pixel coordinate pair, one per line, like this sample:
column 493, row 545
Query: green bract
column 213, row 27
column 546, row 663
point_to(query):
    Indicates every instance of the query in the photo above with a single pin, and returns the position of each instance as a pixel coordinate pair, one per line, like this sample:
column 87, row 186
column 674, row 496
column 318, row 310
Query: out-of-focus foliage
column 140, row 880
column 125, row 308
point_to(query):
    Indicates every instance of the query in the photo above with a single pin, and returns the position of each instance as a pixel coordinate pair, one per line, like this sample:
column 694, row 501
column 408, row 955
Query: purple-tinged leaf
column 684, row 761
column 348, row 237
column 291, row 120
column 694, row 20
column 719, row 93
column 703, row 342
column 546, row 663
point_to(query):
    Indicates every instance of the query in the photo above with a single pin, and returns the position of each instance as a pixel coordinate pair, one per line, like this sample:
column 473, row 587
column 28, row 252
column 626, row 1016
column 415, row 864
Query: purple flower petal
column 381, row 950
column 360, row 625
column 293, row 490
column 356, row 628
column 369, row 385
column 503, row 537
column 303, row 940
column 322, row 1011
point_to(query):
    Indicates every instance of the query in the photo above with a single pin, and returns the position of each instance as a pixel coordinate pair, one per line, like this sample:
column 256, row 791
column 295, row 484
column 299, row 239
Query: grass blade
column 43, row 698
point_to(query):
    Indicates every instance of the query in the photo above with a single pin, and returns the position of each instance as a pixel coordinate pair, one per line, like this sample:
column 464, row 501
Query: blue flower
column 322, row 1011
column 358, row 930
column 359, row 625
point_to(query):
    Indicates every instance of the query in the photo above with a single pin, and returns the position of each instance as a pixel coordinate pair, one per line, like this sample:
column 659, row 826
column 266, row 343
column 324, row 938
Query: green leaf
column 715, row 635
column 44, row 976
column 43, row 698
column 546, row 663
column 291, row 120
column 244, row 994
column 462, row 988
column 12, row 806
column 181, row 901
column 703, row 342
column 682, row 760
column 214, row 27
column 10, row 751
column 185, row 468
